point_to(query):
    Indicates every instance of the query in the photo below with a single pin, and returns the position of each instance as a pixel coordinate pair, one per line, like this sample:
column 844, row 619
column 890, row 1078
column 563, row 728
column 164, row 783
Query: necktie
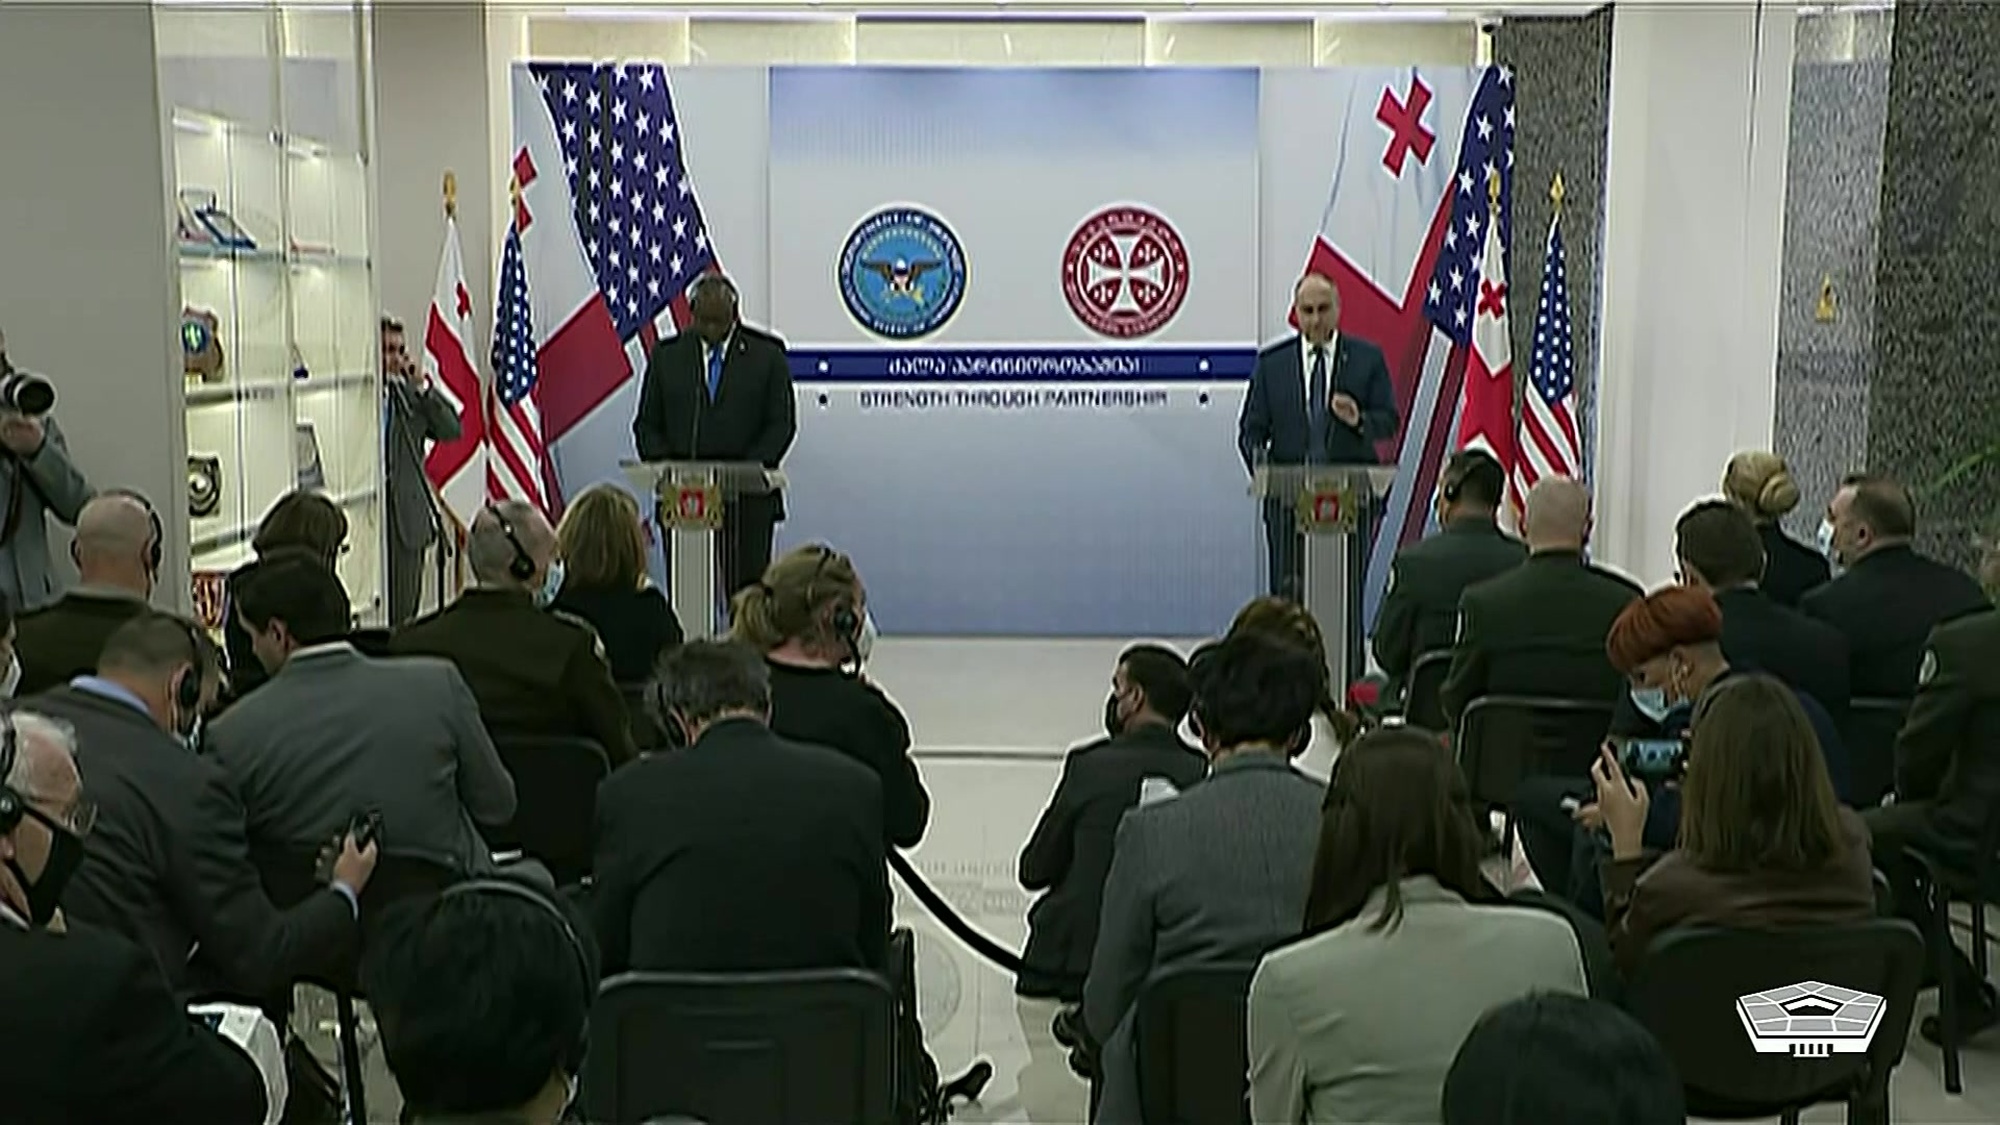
column 1319, row 412
column 714, row 372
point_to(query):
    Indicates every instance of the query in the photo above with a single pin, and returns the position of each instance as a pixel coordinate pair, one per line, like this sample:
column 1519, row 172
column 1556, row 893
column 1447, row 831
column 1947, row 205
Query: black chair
column 1191, row 1042
column 1944, row 883
column 743, row 1048
column 1502, row 739
column 1687, row 989
column 290, row 875
column 555, row 810
column 1869, row 729
column 1422, row 706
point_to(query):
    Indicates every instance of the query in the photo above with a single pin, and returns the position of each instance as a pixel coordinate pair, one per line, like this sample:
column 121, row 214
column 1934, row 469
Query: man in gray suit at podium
column 1319, row 398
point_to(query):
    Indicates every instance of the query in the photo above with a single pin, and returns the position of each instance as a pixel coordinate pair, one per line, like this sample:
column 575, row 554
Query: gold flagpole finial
column 1493, row 188
column 451, row 195
column 1556, row 191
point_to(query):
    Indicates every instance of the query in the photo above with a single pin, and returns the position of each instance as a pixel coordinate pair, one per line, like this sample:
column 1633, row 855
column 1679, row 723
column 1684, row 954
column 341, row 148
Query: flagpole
column 450, row 194
column 1556, row 193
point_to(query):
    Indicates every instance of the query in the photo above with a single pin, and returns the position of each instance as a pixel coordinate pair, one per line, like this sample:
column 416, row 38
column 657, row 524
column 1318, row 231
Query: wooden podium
column 689, row 499
column 1335, row 508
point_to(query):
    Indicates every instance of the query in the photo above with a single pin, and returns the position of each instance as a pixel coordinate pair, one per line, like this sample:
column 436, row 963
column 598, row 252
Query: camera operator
column 36, row 478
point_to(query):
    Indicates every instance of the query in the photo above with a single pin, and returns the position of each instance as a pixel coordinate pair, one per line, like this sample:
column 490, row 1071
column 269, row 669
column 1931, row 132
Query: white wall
column 1694, row 226
column 88, row 291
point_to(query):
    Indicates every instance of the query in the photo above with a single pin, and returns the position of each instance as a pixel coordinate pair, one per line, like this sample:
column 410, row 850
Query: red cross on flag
column 456, row 468
column 1487, row 421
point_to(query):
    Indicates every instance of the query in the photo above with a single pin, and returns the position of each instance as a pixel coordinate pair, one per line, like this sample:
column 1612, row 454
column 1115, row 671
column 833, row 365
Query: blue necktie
column 714, row 372
column 1319, row 412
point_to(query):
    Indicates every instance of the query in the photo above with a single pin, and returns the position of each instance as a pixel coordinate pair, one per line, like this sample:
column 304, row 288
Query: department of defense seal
column 1125, row 272
column 902, row 273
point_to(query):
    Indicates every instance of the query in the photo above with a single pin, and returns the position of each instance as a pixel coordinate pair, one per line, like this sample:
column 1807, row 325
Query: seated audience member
column 603, row 547
column 1947, row 782
column 808, row 615
column 1407, row 944
column 299, row 521
column 89, row 1032
column 1070, row 851
column 1219, row 873
column 1287, row 620
column 1669, row 646
column 1539, row 628
column 1717, row 549
column 1759, row 483
column 1887, row 598
column 534, row 672
column 169, row 865
column 1555, row 1059
column 334, row 733
column 117, row 552
column 1420, row 611
column 483, row 997
column 743, row 852
column 1762, row 842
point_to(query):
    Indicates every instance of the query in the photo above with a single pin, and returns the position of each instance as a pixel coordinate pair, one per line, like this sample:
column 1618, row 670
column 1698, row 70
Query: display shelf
column 274, row 186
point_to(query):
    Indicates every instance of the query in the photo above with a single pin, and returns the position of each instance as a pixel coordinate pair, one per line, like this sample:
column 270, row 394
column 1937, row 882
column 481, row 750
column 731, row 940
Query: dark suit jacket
column 836, row 709
column 533, row 672
column 1760, row 635
column 1420, row 612
column 1069, row 853
column 94, row 1038
column 63, row 640
column 168, row 864
column 1643, row 898
column 416, row 418
column 335, row 733
column 742, row 853
column 636, row 626
column 1886, row 606
column 1948, row 754
column 1791, row 568
column 753, row 418
column 1538, row 629
column 1273, row 425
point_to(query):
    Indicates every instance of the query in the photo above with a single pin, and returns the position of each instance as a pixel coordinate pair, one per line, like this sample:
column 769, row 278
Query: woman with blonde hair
column 603, row 547
column 1759, row 482
column 808, row 615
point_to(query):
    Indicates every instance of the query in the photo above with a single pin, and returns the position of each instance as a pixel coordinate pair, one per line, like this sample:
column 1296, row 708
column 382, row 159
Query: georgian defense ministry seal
column 902, row 273
column 1125, row 272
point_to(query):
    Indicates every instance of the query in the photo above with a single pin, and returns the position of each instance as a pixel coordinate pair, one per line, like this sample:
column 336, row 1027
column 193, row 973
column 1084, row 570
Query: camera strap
column 13, row 524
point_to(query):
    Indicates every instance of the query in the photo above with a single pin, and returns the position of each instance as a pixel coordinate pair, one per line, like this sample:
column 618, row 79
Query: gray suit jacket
column 336, row 733
column 51, row 484
column 416, row 418
column 1360, row 1025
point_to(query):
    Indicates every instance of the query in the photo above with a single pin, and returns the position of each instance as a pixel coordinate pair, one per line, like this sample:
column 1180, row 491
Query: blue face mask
column 552, row 583
column 1651, row 702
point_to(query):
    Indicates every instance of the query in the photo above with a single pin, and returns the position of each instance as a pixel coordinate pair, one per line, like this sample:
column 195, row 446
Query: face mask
column 552, row 582
column 1824, row 541
column 1651, row 702
column 12, row 681
column 865, row 642
column 65, row 855
column 1113, row 725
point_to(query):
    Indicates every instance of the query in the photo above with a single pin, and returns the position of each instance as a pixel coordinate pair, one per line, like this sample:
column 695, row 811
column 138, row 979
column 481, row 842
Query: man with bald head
column 722, row 391
column 1318, row 398
column 534, row 670
column 117, row 552
column 1540, row 628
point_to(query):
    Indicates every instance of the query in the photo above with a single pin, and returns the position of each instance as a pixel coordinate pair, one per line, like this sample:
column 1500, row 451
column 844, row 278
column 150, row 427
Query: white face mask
column 552, row 584
column 12, row 681
column 1824, row 540
column 865, row 643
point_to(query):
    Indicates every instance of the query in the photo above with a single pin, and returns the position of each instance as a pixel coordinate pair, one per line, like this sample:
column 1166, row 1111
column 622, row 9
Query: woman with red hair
column 1669, row 645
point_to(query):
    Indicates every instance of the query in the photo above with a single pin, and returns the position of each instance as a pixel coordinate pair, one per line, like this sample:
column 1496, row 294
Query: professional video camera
column 23, row 391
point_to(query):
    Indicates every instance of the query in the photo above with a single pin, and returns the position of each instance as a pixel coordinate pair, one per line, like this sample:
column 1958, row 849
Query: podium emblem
column 1327, row 506
column 694, row 506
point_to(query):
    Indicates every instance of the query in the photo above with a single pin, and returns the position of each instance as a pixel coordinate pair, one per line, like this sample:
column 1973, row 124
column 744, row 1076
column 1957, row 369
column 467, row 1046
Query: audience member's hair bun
column 1760, row 482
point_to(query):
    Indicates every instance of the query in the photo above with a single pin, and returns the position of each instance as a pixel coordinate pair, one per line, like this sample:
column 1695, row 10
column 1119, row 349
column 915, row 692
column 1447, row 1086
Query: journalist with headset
column 37, row 478
column 117, row 551
column 534, row 671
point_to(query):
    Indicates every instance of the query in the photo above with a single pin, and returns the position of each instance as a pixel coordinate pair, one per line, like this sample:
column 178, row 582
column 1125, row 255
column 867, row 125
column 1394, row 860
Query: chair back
column 1191, row 1044
column 1504, row 738
column 1701, row 991
column 648, row 731
column 743, row 1048
column 1422, row 706
column 1869, row 730
column 555, row 804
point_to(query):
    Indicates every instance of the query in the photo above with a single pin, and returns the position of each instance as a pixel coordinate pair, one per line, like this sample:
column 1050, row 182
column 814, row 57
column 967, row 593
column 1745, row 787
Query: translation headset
column 12, row 808
column 187, row 688
column 846, row 623
column 156, row 539
column 522, row 565
column 586, row 980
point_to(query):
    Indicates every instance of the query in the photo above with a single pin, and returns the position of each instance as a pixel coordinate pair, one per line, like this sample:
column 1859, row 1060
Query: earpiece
column 156, row 545
column 11, row 808
column 522, row 566
column 187, row 689
column 586, row 981
column 845, row 622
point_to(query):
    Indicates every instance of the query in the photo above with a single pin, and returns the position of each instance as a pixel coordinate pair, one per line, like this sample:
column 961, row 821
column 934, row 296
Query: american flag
column 517, row 465
column 1487, row 151
column 635, row 206
column 1549, row 445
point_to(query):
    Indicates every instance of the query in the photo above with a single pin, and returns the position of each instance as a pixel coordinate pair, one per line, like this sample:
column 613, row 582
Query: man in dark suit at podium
column 722, row 391
column 1319, row 398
